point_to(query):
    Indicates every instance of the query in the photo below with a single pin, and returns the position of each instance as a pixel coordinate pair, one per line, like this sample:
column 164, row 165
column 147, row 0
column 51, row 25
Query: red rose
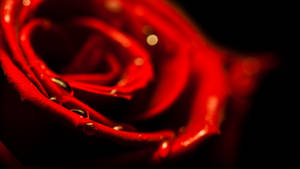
column 103, row 80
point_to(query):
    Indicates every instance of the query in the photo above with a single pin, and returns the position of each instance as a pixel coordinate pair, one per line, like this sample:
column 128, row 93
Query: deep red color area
column 181, row 61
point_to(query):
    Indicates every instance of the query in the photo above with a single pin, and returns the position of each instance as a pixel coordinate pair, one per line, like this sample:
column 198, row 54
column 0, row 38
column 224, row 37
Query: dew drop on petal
column 164, row 144
column 80, row 112
column 118, row 127
column 113, row 91
column 52, row 98
column 7, row 18
column 89, row 128
column 62, row 84
column 164, row 149
column 152, row 39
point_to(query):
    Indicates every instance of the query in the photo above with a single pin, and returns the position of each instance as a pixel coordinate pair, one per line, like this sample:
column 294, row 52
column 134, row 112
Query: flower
column 133, row 77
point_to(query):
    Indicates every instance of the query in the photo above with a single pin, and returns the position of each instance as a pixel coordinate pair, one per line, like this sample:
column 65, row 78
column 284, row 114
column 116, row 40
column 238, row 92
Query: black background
column 270, row 136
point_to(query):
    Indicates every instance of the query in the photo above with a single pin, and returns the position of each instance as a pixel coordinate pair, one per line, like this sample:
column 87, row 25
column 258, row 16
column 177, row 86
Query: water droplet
column 7, row 18
column 52, row 98
column 164, row 149
column 113, row 91
column 152, row 39
column 26, row 2
column 139, row 61
column 80, row 112
column 164, row 144
column 118, row 127
column 62, row 84
column 89, row 124
column 89, row 128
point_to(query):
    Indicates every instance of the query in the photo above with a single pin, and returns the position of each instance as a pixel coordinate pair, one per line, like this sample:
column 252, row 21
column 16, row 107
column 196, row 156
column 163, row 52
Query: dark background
column 270, row 136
